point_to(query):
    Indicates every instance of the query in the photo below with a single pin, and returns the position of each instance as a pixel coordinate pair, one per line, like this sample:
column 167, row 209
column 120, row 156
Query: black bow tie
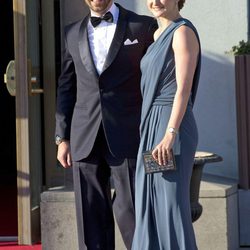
column 95, row 21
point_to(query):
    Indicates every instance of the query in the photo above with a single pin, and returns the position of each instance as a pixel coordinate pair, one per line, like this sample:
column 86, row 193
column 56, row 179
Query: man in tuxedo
column 98, row 116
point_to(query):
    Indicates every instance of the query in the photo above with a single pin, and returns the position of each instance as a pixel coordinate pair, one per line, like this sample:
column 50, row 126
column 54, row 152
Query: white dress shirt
column 100, row 38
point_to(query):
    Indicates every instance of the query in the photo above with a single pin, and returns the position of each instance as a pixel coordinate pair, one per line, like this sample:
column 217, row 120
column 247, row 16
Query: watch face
column 172, row 130
column 58, row 140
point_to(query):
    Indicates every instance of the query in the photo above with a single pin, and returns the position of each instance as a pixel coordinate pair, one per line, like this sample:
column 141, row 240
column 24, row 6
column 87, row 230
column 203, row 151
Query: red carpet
column 8, row 218
column 15, row 246
column 8, row 210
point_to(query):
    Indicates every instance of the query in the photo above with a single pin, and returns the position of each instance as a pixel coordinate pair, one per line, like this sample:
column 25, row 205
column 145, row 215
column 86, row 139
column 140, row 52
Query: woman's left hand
column 161, row 151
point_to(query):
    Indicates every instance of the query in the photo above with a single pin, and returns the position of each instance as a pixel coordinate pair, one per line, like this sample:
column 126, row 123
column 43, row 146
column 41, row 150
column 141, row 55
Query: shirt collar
column 113, row 9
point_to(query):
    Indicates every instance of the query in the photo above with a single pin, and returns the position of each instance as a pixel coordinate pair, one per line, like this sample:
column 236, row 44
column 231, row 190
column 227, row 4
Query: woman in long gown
column 170, row 74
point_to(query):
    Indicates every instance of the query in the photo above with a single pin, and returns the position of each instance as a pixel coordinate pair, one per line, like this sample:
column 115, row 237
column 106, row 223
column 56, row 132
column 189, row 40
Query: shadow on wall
column 215, row 111
column 72, row 10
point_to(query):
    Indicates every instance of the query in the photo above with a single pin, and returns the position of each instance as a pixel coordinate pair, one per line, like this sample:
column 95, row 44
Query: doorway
column 8, row 172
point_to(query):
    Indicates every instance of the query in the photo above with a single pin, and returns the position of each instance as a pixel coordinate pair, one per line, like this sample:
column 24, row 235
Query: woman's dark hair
column 180, row 4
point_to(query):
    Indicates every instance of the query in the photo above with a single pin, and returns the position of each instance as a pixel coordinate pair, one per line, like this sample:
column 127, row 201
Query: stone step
column 58, row 221
column 217, row 228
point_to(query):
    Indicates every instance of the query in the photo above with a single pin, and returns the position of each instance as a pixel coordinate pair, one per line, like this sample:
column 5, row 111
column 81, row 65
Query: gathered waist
column 163, row 101
column 167, row 101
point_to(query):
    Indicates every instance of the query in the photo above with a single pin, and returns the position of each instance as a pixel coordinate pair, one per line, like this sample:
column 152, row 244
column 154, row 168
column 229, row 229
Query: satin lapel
column 118, row 37
column 84, row 48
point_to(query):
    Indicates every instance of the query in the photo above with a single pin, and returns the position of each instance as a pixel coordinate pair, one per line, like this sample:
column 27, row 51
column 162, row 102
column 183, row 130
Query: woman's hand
column 161, row 151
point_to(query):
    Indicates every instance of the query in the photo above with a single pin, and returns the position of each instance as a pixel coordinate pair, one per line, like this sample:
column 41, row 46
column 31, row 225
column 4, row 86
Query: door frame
column 54, row 175
column 28, row 216
column 28, row 229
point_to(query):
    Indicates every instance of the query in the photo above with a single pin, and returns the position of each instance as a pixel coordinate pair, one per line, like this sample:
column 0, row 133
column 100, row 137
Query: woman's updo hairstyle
column 180, row 4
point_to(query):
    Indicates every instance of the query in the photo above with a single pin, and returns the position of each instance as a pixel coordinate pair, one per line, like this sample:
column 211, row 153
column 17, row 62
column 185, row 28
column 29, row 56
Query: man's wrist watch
column 172, row 130
column 58, row 140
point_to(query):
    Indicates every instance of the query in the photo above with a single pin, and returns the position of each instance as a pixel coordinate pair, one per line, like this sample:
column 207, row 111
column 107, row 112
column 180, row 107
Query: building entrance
column 8, row 172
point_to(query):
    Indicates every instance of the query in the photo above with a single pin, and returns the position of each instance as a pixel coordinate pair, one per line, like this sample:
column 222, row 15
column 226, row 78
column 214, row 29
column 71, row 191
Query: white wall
column 221, row 24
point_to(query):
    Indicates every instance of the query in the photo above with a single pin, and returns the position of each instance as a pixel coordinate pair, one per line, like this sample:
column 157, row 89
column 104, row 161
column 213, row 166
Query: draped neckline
column 166, row 31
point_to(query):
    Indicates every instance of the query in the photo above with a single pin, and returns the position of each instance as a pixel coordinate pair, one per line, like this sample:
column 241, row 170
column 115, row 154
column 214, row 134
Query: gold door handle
column 34, row 80
column 35, row 91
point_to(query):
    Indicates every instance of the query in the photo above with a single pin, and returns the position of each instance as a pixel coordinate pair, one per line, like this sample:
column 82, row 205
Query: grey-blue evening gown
column 163, row 217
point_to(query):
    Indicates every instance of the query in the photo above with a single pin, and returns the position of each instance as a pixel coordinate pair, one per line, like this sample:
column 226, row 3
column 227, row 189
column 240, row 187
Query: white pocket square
column 129, row 42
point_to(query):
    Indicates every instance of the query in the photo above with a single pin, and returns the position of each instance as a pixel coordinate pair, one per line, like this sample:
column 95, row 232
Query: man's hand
column 63, row 154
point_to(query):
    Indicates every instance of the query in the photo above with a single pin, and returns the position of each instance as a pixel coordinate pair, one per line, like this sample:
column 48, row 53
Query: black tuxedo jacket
column 85, row 100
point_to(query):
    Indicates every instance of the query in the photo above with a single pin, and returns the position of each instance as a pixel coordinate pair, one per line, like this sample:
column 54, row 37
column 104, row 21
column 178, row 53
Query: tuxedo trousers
column 93, row 178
